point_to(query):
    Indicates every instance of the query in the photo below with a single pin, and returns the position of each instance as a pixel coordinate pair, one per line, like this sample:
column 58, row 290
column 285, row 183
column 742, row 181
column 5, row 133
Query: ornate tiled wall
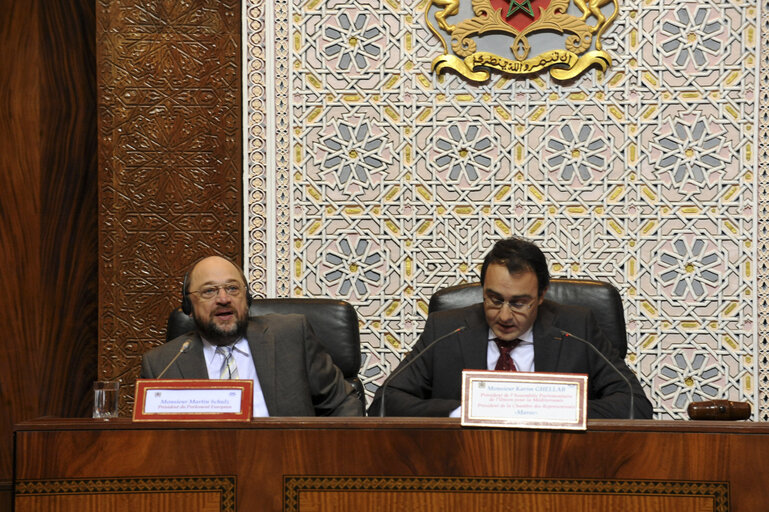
column 372, row 180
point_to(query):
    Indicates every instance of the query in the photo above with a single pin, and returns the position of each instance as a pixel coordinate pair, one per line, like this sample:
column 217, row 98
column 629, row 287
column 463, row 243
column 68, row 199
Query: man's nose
column 505, row 313
column 222, row 297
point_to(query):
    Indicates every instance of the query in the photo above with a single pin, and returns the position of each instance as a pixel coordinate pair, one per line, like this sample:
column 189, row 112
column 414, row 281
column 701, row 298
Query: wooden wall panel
column 170, row 169
column 133, row 500
column 48, row 199
column 311, row 464
column 569, row 499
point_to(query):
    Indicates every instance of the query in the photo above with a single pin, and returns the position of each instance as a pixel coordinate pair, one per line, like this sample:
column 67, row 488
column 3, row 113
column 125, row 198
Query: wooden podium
column 343, row 464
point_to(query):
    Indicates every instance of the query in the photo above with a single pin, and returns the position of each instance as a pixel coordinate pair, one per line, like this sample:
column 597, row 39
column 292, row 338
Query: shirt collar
column 527, row 337
column 209, row 349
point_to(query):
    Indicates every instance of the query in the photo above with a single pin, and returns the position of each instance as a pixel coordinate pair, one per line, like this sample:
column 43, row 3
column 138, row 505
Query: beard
column 222, row 336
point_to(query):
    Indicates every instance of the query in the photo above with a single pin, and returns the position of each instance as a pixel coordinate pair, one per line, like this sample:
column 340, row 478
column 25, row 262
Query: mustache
column 217, row 335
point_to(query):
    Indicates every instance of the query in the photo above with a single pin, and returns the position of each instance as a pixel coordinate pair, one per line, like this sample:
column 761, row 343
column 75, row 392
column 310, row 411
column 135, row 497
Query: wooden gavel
column 719, row 410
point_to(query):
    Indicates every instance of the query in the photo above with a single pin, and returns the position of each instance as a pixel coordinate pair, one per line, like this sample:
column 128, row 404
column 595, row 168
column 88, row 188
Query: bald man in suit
column 292, row 373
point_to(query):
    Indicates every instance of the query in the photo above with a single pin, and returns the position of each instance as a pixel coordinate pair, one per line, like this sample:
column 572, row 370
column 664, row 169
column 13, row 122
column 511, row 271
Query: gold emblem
column 520, row 37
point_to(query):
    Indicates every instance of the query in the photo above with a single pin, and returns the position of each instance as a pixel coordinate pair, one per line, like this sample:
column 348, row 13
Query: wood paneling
column 304, row 464
column 167, row 190
column 135, row 502
column 170, row 168
column 48, row 200
column 572, row 499
column 215, row 494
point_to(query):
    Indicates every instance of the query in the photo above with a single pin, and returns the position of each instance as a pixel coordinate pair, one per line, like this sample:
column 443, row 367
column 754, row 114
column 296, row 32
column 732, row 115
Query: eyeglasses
column 209, row 292
column 518, row 306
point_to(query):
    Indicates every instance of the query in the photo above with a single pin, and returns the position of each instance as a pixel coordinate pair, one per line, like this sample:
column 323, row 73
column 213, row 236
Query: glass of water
column 105, row 399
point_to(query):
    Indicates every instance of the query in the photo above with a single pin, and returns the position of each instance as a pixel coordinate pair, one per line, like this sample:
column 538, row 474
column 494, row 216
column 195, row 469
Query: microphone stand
column 612, row 365
column 185, row 346
column 409, row 363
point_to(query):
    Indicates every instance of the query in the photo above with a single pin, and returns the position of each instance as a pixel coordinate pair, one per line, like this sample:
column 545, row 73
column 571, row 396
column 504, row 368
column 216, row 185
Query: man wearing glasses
column 293, row 375
column 514, row 329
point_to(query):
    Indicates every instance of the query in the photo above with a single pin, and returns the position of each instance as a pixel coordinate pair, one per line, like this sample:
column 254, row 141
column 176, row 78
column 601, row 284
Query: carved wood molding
column 169, row 127
column 340, row 493
column 225, row 488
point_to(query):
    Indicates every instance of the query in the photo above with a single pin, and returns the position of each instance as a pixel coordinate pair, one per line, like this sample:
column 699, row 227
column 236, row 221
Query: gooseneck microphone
column 184, row 348
column 566, row 334
column 410, row 362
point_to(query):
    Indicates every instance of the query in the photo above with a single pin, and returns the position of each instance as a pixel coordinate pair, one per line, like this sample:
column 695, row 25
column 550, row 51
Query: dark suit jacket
column 296, row 374
column 432, row 385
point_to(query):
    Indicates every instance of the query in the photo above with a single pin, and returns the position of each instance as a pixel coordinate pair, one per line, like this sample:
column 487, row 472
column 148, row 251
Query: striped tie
column 229, row 367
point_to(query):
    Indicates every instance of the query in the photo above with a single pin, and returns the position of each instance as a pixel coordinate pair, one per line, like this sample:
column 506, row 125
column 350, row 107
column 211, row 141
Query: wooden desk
column 294, row 464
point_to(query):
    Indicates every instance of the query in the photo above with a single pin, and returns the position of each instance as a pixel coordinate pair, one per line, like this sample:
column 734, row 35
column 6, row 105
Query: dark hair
column 519, row 255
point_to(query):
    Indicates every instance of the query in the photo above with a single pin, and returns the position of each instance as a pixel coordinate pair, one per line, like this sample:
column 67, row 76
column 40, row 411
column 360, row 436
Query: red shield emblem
column 519, row 14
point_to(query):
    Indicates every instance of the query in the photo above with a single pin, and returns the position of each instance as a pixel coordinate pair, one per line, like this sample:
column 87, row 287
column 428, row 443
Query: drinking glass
column 105, row 399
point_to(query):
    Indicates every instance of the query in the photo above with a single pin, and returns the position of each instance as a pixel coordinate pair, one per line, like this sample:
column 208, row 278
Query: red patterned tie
column 505, row 362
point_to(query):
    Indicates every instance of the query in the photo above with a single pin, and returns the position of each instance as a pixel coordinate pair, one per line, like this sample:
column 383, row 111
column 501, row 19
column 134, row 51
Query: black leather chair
column 602, row 298
column 335, row 322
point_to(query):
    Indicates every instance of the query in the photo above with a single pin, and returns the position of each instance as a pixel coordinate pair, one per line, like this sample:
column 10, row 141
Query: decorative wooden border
column 225, row 485
column 294, row 485
column 145, row 386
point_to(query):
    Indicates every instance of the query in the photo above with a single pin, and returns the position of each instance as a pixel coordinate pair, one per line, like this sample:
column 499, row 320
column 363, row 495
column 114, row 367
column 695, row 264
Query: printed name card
column 193, row 400
column 524, row 400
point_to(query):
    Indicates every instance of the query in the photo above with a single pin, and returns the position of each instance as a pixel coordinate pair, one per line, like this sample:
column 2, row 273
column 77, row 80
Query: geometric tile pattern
column 762, row 214
column 391, row 183
column 255, row 147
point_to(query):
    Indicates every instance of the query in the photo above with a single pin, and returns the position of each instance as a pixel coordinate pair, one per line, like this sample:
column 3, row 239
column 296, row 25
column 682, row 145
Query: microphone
column 410, row 362
column 606, row 359
column 185, row 347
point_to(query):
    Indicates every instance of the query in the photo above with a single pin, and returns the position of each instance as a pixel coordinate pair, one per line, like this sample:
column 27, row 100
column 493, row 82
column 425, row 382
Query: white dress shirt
column 246, row 370
column 522, row 354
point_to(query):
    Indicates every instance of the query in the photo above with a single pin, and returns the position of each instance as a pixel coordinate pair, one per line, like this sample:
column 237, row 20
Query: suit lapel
column 262, row 345
column 192, row 364
column 547, row 343
column 474, row 340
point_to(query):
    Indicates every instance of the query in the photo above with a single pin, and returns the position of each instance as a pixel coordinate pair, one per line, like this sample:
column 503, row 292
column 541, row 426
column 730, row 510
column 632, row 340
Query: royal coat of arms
column 520, row 37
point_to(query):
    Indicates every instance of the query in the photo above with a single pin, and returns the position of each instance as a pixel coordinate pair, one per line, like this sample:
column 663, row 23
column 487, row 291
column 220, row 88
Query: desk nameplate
column 524, row 400
column 193, row 400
